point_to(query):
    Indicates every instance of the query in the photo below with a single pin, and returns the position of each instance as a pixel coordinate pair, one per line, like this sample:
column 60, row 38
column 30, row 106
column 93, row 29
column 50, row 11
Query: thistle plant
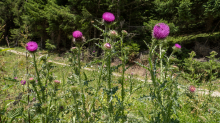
column 32, row 48
column 164, row 91
column 79, row 40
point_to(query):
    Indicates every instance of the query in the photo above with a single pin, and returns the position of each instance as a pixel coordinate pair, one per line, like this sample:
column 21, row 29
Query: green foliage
column 188, row 38
column 184, row 11
column 201, row 71
column 132, row 49
column 49, row 45
column 212, row 8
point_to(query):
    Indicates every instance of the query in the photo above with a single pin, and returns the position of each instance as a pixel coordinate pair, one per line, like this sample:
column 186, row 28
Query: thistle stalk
column 80, row 82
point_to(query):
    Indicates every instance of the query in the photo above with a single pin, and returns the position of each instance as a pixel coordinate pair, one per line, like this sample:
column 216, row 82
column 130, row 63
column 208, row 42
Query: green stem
column 122, row 80
column 161, row 65
column 76, row 107
column 109, row 102
column 38, row 79
column 81, row 85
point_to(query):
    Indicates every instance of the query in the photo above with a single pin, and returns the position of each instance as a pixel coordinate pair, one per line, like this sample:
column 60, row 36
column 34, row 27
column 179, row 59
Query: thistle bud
column 56, row 82
column 107, row 46
column 192, row 88
column 113, row 34
column 124, row 32
column 176, row 48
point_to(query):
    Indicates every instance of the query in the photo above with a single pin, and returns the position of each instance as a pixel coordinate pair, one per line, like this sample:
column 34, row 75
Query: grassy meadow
column 60, row 104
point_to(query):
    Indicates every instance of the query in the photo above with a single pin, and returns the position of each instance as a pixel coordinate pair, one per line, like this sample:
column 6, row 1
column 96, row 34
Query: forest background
column 195, row 24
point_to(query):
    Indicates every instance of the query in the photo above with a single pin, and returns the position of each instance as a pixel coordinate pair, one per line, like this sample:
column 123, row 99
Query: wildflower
column 31, row 46
column 113, row 34
column 177, row 46
column 132, row 74
column 161, row 31
column 15, row 77
column 108, row 17
column 94, row 51
column 31, row 80
column 23, row 82
column 34, row 99
column 74, row 49
column 192, row 88
column 78, row 36
column 56, row 81
column 124, row 32
column 107, row 46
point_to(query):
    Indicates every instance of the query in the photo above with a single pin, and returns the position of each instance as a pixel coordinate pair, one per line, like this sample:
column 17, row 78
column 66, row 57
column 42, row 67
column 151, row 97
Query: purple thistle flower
column 108, row 17
column 31, row 46
column 77, row 34
column 161, row 31
column 94, row 51
column 178, row 46
column 15, row 77
column 78, row 37
column 107, row 46
column 23, row 82
column 132, row 74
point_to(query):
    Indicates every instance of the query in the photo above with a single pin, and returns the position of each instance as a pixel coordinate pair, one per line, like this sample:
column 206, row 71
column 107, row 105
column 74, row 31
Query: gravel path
column 199, row 91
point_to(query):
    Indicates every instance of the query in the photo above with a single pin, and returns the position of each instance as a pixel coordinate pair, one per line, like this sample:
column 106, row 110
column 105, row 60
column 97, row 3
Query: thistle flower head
column 107, row 46
column 108, row 17
column 74, row 49
column 15, row 77
column 77, row 34
column 161, row 31
column 31, row 80
column 192, row 88
column 113, row 34
column 78, row 37
column 124, row 32
column 56, row 81
column 176, row 47
column 23, row 82
column 31, row 46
